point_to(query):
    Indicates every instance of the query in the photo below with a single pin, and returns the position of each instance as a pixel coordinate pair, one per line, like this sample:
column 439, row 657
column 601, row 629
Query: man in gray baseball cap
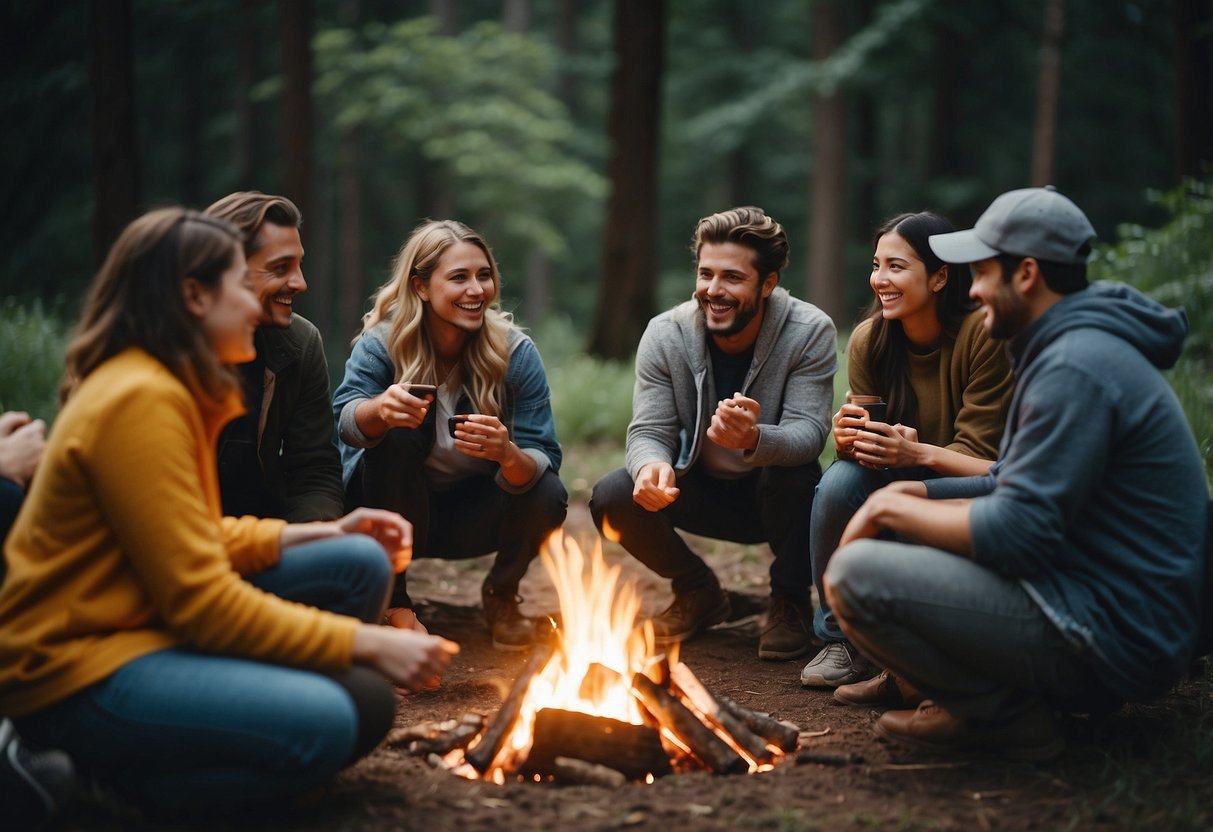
column 1068, row 578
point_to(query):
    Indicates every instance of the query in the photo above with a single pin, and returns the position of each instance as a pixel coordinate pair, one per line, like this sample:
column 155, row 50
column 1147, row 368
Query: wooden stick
column 674, row 716
column 572, row 770
column 702, row 698
column 783, row 736
column 482, row 754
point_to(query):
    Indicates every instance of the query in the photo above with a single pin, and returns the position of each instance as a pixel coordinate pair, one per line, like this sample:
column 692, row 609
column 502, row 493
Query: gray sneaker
column 33, row 784
column 838, row 663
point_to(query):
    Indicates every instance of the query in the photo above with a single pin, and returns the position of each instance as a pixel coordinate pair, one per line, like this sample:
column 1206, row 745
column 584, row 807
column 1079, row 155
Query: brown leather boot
column 511, row 630
column 786, row 634
column 691, row 611
column 1032, row 736
column 882, row 691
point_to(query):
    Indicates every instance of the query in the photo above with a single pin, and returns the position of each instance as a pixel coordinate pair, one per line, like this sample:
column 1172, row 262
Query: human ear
column 769, row 284
column 197, row 298
column 939, row 279
column 419, row 286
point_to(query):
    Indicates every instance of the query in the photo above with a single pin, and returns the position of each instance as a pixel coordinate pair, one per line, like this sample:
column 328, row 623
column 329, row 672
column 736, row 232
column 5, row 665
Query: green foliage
column 591, row 398
column 1174, row 264
column 474, row 104
column 32, row 343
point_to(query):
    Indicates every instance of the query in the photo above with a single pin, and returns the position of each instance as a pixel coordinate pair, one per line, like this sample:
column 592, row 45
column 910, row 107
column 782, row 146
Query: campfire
column 597, row 703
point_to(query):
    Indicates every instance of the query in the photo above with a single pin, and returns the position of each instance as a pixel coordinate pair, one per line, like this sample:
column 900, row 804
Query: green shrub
column 1174, row 265
column 32, row 344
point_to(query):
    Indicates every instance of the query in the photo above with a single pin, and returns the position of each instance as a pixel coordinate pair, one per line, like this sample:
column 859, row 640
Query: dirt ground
column 1144, row 767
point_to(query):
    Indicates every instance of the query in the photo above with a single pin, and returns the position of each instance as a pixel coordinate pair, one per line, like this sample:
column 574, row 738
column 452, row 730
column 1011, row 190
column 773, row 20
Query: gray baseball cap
column 1029, row 222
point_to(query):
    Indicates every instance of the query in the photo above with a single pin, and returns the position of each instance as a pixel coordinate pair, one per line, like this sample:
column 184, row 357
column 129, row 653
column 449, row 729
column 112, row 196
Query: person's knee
column 375, row 706
column 546, row 504
column 324, row 735
column 850, row 572
column 612, row 493
column 365, row 557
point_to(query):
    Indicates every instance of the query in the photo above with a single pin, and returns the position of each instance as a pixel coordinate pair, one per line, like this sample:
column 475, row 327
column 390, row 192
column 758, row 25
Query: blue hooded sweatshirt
column 1097, row 502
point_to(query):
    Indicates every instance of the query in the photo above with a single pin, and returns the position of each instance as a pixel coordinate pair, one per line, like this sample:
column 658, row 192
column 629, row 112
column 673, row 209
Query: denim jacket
column 526, row 405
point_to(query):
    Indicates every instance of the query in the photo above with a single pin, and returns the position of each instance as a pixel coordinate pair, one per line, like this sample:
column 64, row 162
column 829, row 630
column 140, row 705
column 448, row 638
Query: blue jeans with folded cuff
column 968, row 638
column 182, row 729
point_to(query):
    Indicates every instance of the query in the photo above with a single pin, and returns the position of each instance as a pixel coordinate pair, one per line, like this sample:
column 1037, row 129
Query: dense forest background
column 583, row 137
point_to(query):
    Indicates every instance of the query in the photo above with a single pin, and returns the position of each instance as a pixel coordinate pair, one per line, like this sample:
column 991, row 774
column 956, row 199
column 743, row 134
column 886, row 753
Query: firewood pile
column 686, row 728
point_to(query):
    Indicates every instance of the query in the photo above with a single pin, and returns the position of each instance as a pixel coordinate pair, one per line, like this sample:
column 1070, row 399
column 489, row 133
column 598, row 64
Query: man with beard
column 730, row 411
column 279, row 458
column 1068, row 577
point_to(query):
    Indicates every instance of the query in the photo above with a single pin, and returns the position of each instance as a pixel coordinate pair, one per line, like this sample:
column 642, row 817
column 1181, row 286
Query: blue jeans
column 968, row 638
column 183, row 729
column 843, row 489
column 770, row 505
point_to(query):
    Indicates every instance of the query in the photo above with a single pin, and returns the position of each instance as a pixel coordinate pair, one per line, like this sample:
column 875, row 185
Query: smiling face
column 229, row 314
column 1005, row 313
column 276, row 272
column 731, row 293
column 459, row 290
column 901, row 283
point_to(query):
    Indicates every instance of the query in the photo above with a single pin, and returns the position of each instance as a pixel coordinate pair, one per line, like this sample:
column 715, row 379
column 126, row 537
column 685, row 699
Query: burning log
column 702, row 698
column 632, row 750
column 780, row 734
column 482, row 754
column 701, row 739
column 445, row 742
column 572, row 770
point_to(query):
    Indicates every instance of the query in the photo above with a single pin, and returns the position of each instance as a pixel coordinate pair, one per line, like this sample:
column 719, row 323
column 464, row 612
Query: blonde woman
column 444, row 416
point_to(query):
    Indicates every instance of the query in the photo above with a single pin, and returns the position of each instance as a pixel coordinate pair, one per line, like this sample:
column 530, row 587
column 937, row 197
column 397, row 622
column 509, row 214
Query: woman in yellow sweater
column 172, row 652
column 923, row 351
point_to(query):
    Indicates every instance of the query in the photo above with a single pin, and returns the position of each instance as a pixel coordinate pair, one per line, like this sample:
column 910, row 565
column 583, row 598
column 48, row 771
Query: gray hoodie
column 1097, row 502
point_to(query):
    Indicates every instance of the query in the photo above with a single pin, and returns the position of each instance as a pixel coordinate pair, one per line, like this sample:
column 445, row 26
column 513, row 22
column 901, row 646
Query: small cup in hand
column 877, row 408
column 453, row 423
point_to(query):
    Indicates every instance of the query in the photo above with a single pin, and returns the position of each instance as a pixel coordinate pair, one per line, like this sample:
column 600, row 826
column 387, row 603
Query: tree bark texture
column 828, row 189
column 1050, row 83
column 115, row 132
column 627, row 293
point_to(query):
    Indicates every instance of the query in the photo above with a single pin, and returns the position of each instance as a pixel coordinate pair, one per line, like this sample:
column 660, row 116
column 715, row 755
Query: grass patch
column 32, row 345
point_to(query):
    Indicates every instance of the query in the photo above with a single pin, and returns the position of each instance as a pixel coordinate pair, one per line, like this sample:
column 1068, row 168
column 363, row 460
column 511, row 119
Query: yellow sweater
column 963, row 387
column 120, row 549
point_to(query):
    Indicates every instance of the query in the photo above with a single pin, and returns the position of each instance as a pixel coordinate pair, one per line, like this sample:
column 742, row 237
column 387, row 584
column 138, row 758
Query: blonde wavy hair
column 486, row 354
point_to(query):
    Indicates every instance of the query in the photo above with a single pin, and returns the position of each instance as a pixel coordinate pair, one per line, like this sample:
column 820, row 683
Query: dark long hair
column 888, row 347
column 136, row 299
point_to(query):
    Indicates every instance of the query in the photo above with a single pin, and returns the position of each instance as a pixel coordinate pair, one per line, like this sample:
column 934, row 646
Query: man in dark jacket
column 1068, row 577
column 279, row 459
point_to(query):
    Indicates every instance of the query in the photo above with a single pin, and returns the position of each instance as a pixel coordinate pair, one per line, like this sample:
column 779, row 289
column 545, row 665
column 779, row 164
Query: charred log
column 675, row 717
column 482, row 754
column 632, row 750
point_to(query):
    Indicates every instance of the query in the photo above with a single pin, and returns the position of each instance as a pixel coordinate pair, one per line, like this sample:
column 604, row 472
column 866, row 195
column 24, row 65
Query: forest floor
column 1145, row 767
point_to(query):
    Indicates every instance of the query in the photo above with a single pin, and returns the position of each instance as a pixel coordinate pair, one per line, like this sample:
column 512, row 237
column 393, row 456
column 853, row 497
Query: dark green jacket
column 280, row 460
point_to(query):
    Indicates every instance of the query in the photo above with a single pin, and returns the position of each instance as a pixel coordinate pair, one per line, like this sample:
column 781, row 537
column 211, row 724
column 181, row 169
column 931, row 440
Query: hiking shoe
column 786, row 632
column 1032, row 736
column 691, row 611
column 881, row 691
column 33, row 784
column 512, row 631
column 838, row 663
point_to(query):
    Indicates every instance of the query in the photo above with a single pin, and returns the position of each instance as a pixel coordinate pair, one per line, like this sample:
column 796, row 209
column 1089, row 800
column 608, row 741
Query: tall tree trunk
column 1194, row 86
column 447, row 14
column 537, row 277
column 828, row 193
column 627, row 295
column 295, row 24
column 1050, row 82
column 115, row 131
column 243, row 149
column 350, row 289
column 566, row 42
column 192, row 124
